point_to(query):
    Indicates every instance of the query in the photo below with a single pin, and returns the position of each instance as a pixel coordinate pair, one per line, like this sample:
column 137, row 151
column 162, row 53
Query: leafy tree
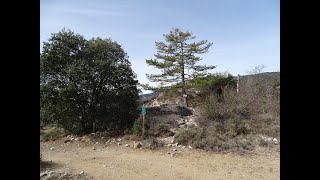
column 86, row 85
column 177, row 60
column 213, row 82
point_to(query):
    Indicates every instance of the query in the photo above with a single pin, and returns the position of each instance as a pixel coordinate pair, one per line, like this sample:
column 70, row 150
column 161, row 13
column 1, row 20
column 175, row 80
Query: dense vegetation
column 235, row 122
column 86, row 85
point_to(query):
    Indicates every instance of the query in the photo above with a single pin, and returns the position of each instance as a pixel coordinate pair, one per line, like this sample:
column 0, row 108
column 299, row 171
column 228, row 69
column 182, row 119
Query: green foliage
column 176, row 58
column 212, row 82
column 137, row 128
column 52, row 134
column 86, row 85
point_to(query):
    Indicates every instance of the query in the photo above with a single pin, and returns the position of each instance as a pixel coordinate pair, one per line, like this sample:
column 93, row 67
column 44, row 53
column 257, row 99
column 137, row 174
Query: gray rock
column 81, row 172
column 275, row 140
column 46, row 173
column 52, row 148
column 119, row 144
column 127, row 145
column 189, row 147
column 182, row 126
column 174, row 149
column 93, row 148
column 137, row 145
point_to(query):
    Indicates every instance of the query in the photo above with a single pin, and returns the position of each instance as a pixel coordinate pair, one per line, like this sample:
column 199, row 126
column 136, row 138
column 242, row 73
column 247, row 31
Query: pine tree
column 177, row 61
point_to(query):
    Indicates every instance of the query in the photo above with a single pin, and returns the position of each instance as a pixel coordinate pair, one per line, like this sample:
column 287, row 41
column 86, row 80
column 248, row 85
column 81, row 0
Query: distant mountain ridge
column 275, row 75
column 149, row 96
column 265, row 77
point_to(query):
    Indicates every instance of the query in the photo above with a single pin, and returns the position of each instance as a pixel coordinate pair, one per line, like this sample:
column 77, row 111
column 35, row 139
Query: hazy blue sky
column 245, row 33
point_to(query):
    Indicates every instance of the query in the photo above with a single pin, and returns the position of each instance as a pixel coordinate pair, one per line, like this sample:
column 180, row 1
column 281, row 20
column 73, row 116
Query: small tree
column 177, row 61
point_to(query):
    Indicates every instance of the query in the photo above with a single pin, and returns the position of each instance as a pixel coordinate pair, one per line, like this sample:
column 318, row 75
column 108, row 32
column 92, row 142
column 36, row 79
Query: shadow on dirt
column 44, row 165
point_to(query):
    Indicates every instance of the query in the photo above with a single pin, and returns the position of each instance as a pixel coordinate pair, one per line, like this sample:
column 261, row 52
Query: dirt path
column 120, row 162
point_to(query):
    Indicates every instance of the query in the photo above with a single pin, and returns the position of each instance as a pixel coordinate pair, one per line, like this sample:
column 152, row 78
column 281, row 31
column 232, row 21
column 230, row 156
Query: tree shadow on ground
column 44, row 165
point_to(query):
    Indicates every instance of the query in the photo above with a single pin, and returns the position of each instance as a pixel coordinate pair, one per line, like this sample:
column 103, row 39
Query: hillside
column 275, row 75
column 147, row 97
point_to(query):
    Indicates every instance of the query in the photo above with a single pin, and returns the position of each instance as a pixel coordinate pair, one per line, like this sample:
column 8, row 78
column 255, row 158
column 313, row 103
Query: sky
column 244, row 33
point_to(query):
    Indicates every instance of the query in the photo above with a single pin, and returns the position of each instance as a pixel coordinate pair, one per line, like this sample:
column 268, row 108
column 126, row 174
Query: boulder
column 137, row 145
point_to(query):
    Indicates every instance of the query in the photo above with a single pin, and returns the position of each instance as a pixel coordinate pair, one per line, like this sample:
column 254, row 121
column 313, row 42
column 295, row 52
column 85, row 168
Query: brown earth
column 113, row 161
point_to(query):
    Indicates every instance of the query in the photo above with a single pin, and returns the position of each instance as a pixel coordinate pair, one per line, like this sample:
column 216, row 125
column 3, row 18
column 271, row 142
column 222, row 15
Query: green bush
column 212, row 82
column 52, row 134
column 137, row 128
column 86, row 85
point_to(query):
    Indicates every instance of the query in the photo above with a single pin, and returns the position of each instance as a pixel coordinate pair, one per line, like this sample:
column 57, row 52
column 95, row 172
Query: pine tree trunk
column 184, row 94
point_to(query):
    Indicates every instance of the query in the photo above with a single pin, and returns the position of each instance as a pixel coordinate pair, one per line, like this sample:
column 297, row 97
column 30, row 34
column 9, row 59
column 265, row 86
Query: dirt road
column 112, row 161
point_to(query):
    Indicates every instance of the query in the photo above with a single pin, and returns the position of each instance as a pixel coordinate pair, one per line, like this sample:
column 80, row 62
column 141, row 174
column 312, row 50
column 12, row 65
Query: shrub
column 151, row 143
column 233, row 106
column 229, row 121
column 52, row 134
column 188, row 136
column 211, row 83
column 184, row 111
column 137, row 128
column 265, row 143
column 159, row 129
column 161, row 125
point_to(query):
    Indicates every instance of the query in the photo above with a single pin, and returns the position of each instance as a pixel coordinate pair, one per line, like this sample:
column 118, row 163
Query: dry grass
column 51, row 133
column 232, row 122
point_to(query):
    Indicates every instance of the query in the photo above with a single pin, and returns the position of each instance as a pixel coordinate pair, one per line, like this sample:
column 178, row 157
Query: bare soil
column 113, row 161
